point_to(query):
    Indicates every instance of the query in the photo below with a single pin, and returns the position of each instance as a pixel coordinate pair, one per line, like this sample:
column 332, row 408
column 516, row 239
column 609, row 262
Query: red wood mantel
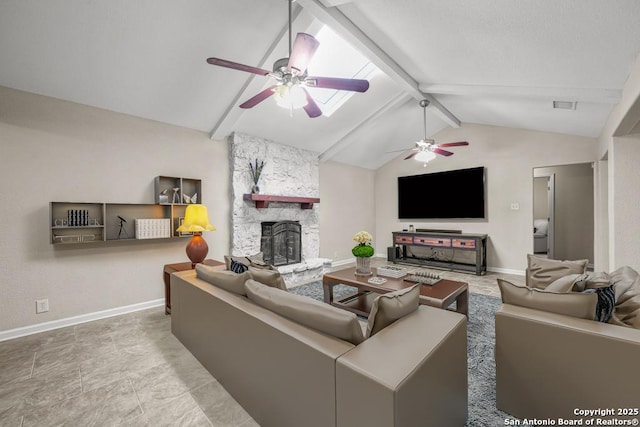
column 262, row 200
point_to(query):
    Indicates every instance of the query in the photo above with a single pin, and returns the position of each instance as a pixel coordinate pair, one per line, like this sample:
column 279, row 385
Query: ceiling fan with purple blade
column 427, row 145
column 291, row 75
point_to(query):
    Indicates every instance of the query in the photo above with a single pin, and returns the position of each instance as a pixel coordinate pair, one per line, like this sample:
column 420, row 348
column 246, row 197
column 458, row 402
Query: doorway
column 563, row 203
column 543, row 214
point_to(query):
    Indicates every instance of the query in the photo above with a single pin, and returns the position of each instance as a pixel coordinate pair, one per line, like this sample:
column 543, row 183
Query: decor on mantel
column 363, row 252
column 262, row 200
column 256, row 172
column 196, row 220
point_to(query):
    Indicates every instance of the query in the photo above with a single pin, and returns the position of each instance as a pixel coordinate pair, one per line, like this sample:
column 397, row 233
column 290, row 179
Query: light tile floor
column 126, row 370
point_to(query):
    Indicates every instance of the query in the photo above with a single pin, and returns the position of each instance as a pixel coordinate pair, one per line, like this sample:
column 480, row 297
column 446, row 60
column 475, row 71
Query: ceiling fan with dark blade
column 426, row 149
column 291, row 76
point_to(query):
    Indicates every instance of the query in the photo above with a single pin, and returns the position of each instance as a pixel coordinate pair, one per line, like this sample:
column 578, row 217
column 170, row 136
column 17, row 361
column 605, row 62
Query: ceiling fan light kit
column 291, row 77
column 426, row 149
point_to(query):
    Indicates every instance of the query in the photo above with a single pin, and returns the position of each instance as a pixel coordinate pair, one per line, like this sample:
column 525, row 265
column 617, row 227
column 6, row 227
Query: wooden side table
column 180, row 266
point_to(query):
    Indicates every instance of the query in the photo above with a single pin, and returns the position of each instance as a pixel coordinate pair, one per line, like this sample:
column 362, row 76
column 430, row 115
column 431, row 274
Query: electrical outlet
column 42, row 306
column 515, row 206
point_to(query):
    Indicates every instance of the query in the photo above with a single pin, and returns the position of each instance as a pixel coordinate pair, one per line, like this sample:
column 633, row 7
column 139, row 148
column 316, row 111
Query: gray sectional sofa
column 411, row 373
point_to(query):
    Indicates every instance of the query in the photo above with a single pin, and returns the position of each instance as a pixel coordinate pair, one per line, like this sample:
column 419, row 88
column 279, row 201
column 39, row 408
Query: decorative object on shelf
column 122, row 230
column 163, row 197
column 176, row 196
column 192, row 199
column 77, row 217
column 377, row 280
column 256, row 172
column 196, row 220
column 180, row 222
column 363, row 252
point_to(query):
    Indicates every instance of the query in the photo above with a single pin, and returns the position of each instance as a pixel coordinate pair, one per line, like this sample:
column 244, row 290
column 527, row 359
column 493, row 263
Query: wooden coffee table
column 442, row 295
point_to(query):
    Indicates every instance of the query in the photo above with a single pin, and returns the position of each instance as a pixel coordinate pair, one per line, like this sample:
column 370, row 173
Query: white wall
column 509, row 156
column 620, row 201
column 51, row 150
column 347, row 205
column 625, row 155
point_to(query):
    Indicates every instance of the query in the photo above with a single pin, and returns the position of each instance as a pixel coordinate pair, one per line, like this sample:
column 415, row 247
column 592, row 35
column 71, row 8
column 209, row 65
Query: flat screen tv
column 456, row 194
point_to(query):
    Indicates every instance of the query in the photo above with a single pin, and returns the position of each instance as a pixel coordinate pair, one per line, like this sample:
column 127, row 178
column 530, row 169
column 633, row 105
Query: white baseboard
column 75, row 320
column 342, row 262
column 506, row 271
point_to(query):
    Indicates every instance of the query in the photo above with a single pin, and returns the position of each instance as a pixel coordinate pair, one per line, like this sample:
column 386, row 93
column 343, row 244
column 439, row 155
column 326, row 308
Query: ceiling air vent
column 565, row 105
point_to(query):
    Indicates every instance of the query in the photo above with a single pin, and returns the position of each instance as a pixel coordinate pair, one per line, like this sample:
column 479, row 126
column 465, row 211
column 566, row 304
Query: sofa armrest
column 412, row 373
column 548, row 364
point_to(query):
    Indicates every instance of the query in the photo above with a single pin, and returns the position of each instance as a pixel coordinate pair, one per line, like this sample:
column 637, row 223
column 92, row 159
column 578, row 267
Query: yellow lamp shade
column 196, row 219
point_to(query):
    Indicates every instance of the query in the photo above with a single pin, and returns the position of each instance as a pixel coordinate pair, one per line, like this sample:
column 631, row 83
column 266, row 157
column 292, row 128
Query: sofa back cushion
column 227, row 280
column 570, row 304
column 389, row 307
column 306, row 311
column 541, row 272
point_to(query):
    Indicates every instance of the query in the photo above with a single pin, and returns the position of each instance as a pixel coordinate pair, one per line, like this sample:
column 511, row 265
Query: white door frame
column 551, row 194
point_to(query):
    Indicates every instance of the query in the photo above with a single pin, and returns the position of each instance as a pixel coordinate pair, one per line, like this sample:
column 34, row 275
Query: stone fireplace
column 281, row 242
column 288, row 171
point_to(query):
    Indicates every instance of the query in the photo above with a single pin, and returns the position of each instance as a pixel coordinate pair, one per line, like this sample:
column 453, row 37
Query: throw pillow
column 238, row 267
column 257, row 261
column 569, row 283
column 626, row 283
column 570, row 304
column 563, row 284
column 307, row 311
column 271, row 278
column 389, row 307
column 606, row 301
column 541, row 272
column 226, row 280
column 228, row 258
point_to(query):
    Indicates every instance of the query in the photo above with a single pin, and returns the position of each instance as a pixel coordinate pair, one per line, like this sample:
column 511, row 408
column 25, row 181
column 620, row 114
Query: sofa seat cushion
column 306, row 311
column 570, row 304
column 392, row 306
column 541, row 272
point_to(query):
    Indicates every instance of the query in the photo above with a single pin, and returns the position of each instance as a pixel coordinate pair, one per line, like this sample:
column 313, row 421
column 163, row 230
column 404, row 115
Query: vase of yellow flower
column 363, row 252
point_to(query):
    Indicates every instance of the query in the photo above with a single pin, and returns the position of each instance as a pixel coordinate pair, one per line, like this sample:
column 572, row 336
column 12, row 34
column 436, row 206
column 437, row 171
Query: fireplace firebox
column 281, row 242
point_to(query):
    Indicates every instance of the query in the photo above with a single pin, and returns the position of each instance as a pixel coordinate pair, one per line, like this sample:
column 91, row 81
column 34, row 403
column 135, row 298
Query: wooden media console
column 442, row 240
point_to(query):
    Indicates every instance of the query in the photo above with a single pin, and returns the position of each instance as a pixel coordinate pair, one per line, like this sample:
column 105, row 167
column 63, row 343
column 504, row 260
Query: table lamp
column 196, row 220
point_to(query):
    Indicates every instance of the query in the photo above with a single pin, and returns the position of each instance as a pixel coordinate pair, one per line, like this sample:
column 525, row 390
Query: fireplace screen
column 281, row 242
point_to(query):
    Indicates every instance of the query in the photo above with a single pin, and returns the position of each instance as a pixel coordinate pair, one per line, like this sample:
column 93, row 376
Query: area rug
column 480, row 341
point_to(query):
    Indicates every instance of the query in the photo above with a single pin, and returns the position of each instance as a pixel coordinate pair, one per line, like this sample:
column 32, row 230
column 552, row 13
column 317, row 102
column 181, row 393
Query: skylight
column 336, row 58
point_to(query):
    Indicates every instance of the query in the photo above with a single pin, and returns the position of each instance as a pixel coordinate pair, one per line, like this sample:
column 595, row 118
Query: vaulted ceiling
column 496, row 62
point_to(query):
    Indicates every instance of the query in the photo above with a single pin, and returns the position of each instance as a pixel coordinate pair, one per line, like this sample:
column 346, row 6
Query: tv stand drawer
column 404, row 239
column 432, row 241
column 463, row 243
